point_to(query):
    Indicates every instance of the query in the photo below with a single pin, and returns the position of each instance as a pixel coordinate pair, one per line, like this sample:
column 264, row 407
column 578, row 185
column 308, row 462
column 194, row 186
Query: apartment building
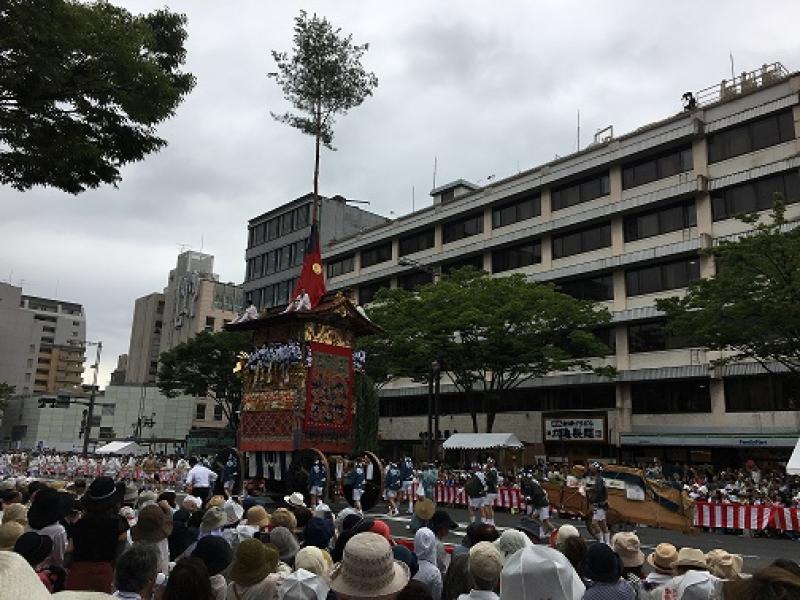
column 41, row 347
column 145, row 344
column 276, row 243
column 621, row 222
column 195, row 300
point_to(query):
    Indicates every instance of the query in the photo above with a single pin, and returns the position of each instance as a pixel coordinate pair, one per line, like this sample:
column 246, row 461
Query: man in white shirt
column 199, row 480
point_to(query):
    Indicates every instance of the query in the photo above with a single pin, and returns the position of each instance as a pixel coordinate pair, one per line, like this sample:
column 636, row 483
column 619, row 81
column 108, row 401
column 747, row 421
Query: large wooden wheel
column 374, row 485
column 300, row 469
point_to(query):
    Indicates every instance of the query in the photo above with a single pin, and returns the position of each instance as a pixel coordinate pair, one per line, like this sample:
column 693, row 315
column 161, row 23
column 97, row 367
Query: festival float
column 298, row 405
column 633, row 499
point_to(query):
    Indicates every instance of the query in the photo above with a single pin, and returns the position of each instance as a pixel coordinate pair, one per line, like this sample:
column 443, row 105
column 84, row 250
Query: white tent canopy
column 793, row 466
column 121, row 448
column 481, row 441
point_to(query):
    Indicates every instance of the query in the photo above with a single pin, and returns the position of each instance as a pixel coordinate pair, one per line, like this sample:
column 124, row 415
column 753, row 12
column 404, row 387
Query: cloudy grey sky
column 487, row 87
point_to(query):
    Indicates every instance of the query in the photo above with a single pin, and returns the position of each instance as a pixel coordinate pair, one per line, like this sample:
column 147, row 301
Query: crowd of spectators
column 114, row 538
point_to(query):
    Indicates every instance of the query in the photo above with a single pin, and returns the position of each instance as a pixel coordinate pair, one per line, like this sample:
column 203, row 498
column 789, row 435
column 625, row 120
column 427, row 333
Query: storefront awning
column 793, row 466
column 121, row 448
column 481, row 441
column 709, row 440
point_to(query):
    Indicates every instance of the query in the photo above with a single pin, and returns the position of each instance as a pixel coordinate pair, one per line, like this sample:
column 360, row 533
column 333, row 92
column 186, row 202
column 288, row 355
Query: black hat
column 602, row 564
column 441, row 518
column 102, row 494
column 405, row 555
column 530, row 528
column 44, row 508
column 33, row 547
column 215, row 552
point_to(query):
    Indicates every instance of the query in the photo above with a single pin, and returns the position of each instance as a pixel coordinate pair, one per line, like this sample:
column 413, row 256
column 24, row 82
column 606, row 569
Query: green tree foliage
column 6, row 392
column 203, row 366
column 366, row 414
column 751, row 308
column 82, row 87
column 322, row 78
column 489, row 334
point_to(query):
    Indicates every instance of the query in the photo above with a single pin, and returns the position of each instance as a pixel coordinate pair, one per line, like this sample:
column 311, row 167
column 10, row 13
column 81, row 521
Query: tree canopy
column 82, row 87
column 489, row 335
column 6, row 392
column 750, row 310
column 203, row 366
column 323, row 77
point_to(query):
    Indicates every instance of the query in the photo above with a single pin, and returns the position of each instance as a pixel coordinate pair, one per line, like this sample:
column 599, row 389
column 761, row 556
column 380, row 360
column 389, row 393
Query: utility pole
column 90, row 411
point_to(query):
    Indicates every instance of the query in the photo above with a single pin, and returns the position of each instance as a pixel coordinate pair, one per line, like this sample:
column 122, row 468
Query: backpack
column 474, row 486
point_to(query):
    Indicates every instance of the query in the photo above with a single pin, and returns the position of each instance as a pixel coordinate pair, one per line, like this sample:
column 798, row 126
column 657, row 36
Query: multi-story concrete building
column 276, row 243
column 195, row 300
column 118, row 375
column 621, row 222
column 121, row 412
column 41, row 342
column 148, row 321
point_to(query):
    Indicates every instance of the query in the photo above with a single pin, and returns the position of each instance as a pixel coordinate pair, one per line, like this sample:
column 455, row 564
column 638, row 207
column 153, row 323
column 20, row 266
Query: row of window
column 271, row 295
column 281, row 225
column 276, row 260
column 751, row 136
column 584, row 397
column 657, row 167
column 739, row 199
column 742, row 394
column 754, row 196
column 638, row 281
column 416, row 242
column 200, row 412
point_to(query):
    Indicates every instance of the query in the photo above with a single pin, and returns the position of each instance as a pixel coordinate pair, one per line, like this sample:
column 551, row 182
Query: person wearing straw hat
column 724, row 565
column 10, row 531
column 16, row 512
column 661, row 560
column 485, row 566
column 369, row 570
column 98, row 538
column 423, row 512
column 253, row 572
column 154, row 527
column 295, row 500
column 689, row 559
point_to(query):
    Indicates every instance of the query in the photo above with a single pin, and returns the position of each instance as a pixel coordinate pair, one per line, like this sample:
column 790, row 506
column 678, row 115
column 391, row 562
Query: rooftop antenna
column 733, row 76
column 182, row 247
column 435, row 165
column 579, row 130
column 201, row 242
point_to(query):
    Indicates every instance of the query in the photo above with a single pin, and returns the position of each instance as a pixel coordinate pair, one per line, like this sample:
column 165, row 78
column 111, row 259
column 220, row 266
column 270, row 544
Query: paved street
column 757, row 552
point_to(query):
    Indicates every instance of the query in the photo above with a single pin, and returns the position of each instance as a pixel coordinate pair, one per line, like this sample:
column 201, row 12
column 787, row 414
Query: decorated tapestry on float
column 329, row 390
